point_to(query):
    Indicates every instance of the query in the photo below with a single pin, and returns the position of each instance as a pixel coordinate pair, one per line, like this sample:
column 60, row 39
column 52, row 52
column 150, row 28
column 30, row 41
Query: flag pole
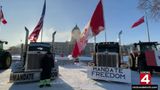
column 94, row 48
column 105, row 36
column 43, row 13
column 105, row 32
column 148, row 33
column 41, row 34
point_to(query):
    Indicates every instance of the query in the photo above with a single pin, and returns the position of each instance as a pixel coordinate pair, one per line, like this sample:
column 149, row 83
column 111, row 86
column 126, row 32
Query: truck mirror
column 158, row 46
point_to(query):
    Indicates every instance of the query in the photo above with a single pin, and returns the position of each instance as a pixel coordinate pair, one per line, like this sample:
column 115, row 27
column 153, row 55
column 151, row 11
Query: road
column 72, row 77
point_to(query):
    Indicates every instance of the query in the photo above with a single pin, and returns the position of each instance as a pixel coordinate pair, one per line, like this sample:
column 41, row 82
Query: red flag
column 93, row 28
column 75, row 51
column 3, row 20
column 34, row 35
column 140, row 21
column 97, row 20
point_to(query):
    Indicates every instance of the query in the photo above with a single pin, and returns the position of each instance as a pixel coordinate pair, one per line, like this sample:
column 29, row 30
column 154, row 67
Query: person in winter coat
column 46, row 64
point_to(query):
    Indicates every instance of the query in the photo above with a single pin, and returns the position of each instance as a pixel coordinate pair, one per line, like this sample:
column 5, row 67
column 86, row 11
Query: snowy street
column 72, row 77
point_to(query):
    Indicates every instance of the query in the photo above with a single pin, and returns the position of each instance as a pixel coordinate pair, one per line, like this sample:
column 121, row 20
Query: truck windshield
column 39, row 48
column 108, row 48
column 148, row 47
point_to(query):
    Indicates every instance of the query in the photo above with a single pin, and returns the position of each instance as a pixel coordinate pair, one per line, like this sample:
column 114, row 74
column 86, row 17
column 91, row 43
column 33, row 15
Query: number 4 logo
column 145, row 78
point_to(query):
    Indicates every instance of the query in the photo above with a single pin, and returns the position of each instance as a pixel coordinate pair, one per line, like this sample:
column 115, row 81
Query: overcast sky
column 63, row 15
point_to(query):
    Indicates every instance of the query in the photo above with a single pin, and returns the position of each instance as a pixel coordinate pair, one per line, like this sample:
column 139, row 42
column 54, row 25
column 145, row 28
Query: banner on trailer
column 29, row 76
column 110, row 74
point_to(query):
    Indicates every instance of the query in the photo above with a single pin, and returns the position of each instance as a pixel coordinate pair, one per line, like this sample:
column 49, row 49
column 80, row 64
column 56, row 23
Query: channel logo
column 145, row 82
column 145, row 78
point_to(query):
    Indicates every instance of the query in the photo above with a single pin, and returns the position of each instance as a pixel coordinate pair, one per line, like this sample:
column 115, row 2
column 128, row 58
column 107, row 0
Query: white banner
column 110, row 74
column 29, row 76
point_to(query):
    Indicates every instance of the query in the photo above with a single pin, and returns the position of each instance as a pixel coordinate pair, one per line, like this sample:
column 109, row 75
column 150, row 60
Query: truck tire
column 157, row 69
column 142, row 66
column 132, row 62
column 6, row 60
column 142, row 63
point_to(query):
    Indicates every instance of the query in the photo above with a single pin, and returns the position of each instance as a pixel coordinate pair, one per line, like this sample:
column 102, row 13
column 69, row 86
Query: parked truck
column 28, row 68
column 5, row 56
column 145, row 56
column 107, row 54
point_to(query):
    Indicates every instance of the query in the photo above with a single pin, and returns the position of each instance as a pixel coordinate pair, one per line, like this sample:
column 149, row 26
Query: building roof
column 75, row 28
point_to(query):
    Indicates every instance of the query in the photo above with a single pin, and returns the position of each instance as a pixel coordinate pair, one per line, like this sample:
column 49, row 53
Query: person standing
column 46, row 64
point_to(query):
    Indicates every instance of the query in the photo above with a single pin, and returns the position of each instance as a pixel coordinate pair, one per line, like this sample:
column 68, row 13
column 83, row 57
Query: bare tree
column 152, row 7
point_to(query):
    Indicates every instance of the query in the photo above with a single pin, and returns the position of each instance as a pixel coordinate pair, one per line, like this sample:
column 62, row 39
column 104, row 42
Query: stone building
column 75, row 34
column 65, row 48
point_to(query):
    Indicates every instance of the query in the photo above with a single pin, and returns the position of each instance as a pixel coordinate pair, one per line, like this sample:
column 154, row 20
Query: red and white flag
column 140, row 21
column 3, row 20
column 34, row 35
column 93, row 28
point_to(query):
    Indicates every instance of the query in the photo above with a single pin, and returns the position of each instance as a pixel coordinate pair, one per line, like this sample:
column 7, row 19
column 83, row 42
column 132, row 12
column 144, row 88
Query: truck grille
column 33, row 60
column 107, row 59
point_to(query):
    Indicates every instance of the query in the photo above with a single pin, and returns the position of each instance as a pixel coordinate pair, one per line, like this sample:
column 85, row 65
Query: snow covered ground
column 72, row 77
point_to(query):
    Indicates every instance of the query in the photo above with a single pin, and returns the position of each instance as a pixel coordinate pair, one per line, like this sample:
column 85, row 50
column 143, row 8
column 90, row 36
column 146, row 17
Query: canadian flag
column 3, row 20
column 93, row 28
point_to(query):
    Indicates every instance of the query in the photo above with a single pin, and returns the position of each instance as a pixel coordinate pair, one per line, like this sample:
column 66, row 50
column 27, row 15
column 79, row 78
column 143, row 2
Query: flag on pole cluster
column 93, row 28
column 140, row 21
column 34, row 35
column 3, row 20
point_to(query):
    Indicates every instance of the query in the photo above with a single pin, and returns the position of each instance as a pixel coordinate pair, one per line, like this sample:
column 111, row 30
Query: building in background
column 62, row 48
column 75, row 34
column 65, row 48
